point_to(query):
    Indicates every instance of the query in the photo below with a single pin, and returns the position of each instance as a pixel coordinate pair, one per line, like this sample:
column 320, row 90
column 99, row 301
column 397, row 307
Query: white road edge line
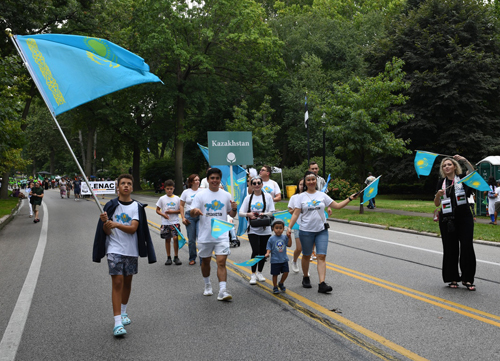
column 406, row 246
column 15, row 328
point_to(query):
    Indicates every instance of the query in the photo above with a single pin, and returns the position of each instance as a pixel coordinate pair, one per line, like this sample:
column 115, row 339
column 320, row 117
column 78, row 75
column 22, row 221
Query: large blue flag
column 71, row 70
column 220, row 227
column 474, row 180
column 371, row 190
column 423, row 162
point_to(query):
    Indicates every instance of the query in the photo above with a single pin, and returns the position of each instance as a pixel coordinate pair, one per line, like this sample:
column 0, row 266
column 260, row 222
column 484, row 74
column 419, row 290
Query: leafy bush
column 291, row 175
column 341, row 189
column 159, row 169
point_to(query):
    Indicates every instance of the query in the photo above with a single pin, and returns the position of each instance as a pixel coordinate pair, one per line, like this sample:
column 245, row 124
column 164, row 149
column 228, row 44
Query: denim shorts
column 309, row 239
column 122, row 265
column 278, row 268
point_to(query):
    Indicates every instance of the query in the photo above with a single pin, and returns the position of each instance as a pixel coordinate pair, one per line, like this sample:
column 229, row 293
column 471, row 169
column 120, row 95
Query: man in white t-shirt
column 268, row 185
column 168, row 207
column 213, row 203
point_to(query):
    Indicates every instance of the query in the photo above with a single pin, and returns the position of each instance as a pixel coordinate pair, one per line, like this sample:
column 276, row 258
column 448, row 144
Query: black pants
column 458, row 249
column 258, row 244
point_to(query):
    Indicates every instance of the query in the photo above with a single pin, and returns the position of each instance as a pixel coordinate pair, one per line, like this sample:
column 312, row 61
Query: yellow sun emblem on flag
column 216, row 228
column 371, row 190
column 422, row 163
column 476, row 183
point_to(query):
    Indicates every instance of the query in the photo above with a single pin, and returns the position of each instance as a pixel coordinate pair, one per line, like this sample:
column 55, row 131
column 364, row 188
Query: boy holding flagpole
column 213, row 204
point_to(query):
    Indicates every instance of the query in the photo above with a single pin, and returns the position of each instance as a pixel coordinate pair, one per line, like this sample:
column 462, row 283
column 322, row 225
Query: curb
column 6, row 219
column 378, row 226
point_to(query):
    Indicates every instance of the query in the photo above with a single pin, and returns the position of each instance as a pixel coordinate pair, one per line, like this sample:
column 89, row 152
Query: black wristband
column 350, row 199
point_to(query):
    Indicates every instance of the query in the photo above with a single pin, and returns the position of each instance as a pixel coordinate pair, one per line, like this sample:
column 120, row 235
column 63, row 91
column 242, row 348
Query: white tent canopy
column 492, row 159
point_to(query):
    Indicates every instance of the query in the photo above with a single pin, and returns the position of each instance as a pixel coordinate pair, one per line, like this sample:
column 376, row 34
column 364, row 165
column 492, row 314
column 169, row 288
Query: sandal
column 454, row 284
column 192, row 263
column 469, row 286
column 125, row 319
column 119, row 331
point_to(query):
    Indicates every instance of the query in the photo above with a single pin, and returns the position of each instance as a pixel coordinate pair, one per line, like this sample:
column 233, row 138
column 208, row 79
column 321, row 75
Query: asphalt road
column 389, row 301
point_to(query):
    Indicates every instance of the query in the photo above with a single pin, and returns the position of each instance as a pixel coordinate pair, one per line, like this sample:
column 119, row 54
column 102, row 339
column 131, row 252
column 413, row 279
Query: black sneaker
column 177, row 261
column 169, row 261
column 306, row 282
column 324, row 288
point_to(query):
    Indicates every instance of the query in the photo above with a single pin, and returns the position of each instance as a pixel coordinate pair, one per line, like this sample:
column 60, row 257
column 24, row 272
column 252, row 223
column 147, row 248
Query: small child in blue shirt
column 276, row 248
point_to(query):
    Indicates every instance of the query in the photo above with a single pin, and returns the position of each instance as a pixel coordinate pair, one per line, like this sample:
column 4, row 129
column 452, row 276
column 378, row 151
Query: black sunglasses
column 256, row 183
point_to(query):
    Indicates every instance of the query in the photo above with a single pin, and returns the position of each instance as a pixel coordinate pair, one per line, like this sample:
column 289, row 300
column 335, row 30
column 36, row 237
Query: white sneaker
column 208, row 290
column 253, row 279
column 295, row 267
column 260, row 277
column 224, row 295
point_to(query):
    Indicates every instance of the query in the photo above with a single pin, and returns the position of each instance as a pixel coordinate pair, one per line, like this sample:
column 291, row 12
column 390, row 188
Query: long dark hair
column 492, row 181
column 297, row 189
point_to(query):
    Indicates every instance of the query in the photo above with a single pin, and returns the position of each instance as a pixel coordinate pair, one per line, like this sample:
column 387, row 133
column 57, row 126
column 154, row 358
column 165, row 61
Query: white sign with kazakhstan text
column 101, row 187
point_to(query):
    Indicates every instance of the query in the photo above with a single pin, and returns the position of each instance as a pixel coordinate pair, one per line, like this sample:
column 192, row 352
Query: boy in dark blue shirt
column 276, row 247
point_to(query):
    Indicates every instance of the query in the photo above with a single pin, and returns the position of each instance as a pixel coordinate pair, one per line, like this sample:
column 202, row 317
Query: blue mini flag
column 423, row 162
column 220, row 227
column 285, row 216
column 371, row 190
column 71, row 70
column 474, row 180
column 250, row 262
column 181, row 240
column 325, row 188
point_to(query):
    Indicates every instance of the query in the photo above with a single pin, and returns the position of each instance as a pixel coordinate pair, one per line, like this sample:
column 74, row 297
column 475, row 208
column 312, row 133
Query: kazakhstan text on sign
column 230, row 148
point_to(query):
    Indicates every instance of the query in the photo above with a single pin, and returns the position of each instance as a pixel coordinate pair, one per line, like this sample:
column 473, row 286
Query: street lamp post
column 102, row 165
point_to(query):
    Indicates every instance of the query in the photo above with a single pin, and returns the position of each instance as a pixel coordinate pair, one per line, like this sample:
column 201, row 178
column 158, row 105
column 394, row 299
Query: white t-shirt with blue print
column 312, row 208
column 120, row 242
column 258, row 206
column 271, row 187
column 212, row 205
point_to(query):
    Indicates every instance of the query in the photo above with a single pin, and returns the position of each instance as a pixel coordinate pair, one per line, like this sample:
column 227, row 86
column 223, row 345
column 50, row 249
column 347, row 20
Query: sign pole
column 232, row 181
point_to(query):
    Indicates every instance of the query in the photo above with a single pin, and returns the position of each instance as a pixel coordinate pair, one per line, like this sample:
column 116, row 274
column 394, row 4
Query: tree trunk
column 136, row 164
column 179, row 145
column 4, row 191
column 90, row 148
column 81, row 146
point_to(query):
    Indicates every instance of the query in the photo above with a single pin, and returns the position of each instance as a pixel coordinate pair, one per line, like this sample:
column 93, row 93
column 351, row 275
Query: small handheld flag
column 371, row 190
column 220, row 227
column 250, row 262
column 325, row 188
column 423, row 162
column 181, row 239
column 474, row 180
column 285, row 216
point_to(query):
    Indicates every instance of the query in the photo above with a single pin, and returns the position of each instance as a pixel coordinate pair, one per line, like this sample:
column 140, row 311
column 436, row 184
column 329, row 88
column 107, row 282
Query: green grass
column 421, row 224
column 7, row 205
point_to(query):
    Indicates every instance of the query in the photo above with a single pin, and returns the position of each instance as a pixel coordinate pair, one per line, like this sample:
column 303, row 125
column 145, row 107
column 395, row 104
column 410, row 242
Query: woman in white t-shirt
column 291, row 208
column 310, row 205
column 191, row 223
column 253, row 206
